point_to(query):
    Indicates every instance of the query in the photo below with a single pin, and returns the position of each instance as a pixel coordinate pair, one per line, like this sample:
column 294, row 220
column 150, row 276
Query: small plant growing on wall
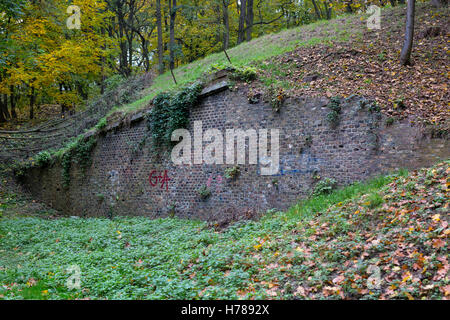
column 335, row 110
column 390, row 121
column 232, row 173
column 246, row 74
column 100, row 197
column 276, row 98
column 204, row 192
column 101, row 124
column 253, row 96
column 275, row 183
column 316, row 175
column 171, row 210
column 324, row 187
column 43, row 158
column 374, row 107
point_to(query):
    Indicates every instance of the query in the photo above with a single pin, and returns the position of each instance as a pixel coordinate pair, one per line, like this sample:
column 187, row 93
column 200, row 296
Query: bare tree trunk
column 123, row 61
column 130, row 33
column 249, row 19
column 102, row 77
column 102, row 65
column 242, row 13
column 173, row 13
column 405, row 55
column 2, row 117
column 348, row 7
column 13, row 103
column 160, row 37
column 32, row 102
column 130, row 51
column 146, row 55
column 5, row 104
column 63, row 103
column 316, row 9
column 4, row 114
column 226, row 24
column 327, row 10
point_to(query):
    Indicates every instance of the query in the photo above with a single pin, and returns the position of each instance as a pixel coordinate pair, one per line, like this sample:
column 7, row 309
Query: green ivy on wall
column 80, row 152
column 170, row 111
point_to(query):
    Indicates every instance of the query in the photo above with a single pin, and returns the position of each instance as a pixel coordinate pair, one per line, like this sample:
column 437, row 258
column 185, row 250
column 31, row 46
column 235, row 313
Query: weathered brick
column 118, row 180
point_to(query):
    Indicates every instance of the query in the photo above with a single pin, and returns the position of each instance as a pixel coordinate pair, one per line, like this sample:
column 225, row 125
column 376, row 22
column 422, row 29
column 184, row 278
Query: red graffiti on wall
column 156, row 177
column 219, row 183
column 218, row 179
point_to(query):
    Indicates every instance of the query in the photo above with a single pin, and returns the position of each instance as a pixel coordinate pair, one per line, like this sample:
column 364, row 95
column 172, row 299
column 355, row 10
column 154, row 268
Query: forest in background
column 46, row 58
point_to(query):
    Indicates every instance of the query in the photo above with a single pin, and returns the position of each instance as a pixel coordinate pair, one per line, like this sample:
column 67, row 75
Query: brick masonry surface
column 117, row 182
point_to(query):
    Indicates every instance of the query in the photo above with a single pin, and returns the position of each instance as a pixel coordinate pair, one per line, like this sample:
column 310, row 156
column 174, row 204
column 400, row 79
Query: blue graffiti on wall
column 304, row 164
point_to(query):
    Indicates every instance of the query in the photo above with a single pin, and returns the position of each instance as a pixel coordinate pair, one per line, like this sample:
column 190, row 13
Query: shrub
column 232, row 173
column 204, row 192
column 246, row 74
column 324, row 187
column 276, row 97
column 333, row 115
column 113, row 82
column 101, row 124
column 43, row 158
column 390, row 121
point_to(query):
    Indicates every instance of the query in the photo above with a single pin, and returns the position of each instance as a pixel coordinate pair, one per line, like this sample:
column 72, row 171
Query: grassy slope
column 340, row 29
column 327, row 247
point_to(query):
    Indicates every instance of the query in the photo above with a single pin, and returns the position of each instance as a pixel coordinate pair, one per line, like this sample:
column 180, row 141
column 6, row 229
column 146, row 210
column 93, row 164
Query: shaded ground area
column 391, row 243
column 15, row 201
column 42, row 114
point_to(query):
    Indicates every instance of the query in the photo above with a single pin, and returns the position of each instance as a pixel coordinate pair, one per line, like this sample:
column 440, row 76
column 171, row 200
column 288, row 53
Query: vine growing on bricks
column 333, row 115
column 170, row 111
column 80, row 152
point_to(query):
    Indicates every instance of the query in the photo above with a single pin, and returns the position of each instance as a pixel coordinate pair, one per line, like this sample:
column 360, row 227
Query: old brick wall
column 117, row 182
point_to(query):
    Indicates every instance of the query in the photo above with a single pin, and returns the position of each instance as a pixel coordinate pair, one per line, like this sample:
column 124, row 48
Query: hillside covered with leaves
column 384, row 239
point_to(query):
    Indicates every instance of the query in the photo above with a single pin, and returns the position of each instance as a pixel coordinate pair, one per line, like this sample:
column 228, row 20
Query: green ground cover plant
column 312, row 251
